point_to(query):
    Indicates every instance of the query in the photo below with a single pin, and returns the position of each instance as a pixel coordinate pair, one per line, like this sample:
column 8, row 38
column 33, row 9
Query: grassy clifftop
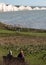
column 9, row 30
column 13, row 35
column 2, row 26
column 17, row 28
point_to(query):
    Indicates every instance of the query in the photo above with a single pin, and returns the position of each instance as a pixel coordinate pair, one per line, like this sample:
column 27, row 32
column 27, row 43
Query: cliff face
column 6, row 7
column 5, row 26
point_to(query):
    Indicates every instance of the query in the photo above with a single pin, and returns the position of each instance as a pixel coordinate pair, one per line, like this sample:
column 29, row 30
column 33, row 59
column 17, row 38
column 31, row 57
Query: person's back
column 9, row 56
column 21, row 55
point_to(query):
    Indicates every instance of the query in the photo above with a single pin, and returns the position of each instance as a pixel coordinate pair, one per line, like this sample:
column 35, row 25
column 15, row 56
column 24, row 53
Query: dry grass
column 22, row 40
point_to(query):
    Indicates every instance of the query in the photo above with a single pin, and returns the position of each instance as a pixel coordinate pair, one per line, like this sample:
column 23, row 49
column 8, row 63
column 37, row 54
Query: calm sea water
column 31, row 19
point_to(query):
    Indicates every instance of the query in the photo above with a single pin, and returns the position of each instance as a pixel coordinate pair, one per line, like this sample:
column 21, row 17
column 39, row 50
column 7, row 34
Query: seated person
column 9, row 54
column 21, row 55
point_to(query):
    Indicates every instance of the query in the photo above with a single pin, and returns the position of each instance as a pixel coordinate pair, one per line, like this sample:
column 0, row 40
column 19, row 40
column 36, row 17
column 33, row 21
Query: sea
column 30, row 19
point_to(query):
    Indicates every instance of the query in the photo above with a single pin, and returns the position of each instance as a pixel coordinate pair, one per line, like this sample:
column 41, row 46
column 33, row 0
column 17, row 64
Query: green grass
column 34, row 58
column 33, row 53
column 12, row 33
column 32, row 34
column 6, row 31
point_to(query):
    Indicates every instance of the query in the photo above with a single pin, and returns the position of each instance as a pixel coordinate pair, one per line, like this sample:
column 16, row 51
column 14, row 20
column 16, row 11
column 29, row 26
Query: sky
column 25, row 2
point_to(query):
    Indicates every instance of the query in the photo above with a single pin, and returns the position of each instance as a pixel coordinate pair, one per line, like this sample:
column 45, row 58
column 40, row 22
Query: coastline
column 13, row 35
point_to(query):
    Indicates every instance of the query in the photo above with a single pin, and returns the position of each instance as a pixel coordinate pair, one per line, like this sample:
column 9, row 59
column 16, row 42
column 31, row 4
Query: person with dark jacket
column 21, row 55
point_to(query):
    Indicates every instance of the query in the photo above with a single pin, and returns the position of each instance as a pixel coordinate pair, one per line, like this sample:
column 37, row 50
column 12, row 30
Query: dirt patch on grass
column 22, row 40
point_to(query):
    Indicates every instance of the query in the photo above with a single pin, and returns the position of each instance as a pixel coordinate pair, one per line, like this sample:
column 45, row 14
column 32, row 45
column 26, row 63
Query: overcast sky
column 25, row 2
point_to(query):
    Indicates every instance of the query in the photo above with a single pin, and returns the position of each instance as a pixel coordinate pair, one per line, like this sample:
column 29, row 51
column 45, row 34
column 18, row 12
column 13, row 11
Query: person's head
column 21, row 51
column 10, row 52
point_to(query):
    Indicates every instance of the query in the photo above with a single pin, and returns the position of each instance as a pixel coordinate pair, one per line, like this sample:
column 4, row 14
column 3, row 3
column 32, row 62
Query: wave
column 5, row 8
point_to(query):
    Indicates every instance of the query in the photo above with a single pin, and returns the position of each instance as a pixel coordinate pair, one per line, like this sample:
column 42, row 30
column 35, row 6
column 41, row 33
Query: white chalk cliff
column 5, row 8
